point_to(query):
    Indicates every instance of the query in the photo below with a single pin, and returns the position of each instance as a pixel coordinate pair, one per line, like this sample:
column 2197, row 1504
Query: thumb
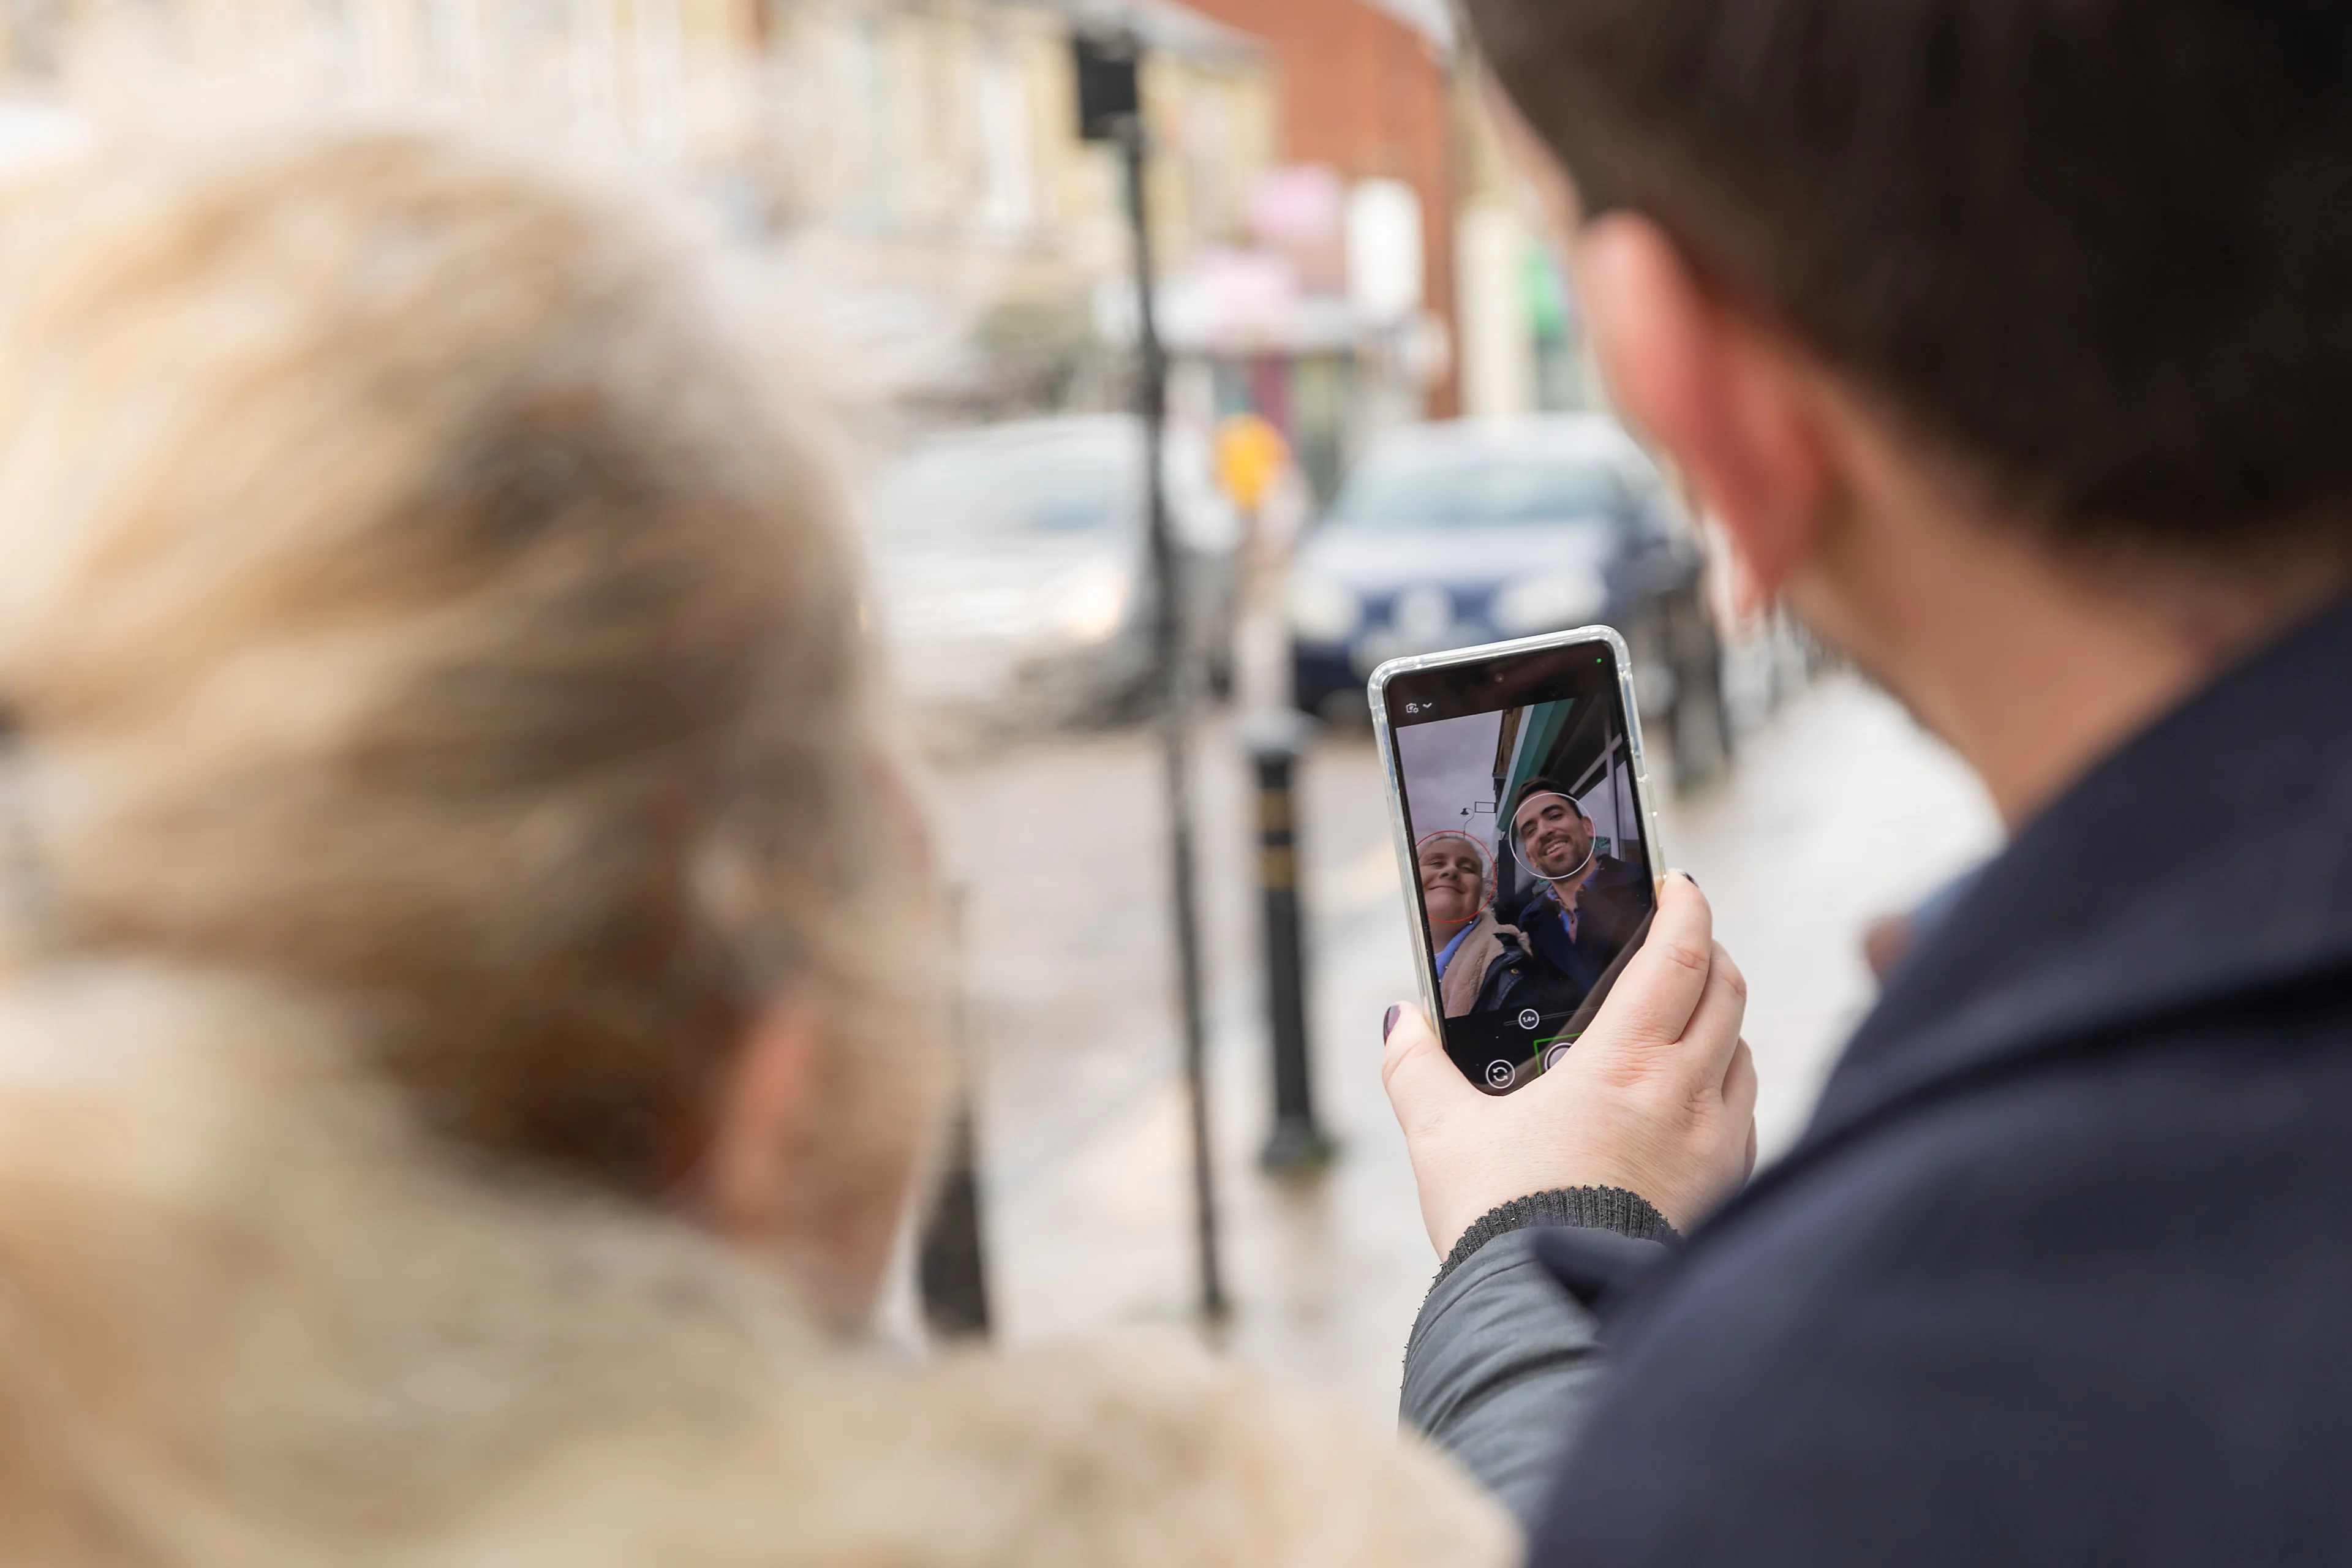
column 1421, row 1078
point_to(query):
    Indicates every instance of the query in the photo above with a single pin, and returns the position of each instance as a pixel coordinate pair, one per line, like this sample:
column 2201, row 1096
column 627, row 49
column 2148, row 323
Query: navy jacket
column 1540, row 966
column 1609, row 910
column 2062, row 1271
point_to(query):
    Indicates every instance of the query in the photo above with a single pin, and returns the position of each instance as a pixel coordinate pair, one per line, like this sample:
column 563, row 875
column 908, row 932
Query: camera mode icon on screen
column 1498, row 1074
column 1529, row 1018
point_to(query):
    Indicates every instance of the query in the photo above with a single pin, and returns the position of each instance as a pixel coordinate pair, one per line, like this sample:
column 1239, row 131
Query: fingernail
column 1686, row 876
column 1388, row 1025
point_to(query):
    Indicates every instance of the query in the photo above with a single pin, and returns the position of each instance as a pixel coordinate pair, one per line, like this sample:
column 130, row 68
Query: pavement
column 1838, row 809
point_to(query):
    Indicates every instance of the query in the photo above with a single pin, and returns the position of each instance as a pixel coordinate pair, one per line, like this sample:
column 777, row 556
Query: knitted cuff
column 1590, row 1208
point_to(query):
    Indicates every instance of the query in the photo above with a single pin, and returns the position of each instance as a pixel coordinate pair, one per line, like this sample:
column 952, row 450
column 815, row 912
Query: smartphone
column 1527, row 836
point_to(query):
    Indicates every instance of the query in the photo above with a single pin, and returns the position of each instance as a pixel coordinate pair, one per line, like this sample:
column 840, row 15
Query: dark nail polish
column 1388, row 1025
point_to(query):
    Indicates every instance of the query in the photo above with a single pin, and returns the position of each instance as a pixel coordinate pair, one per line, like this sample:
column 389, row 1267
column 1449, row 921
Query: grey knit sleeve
column 1629, row 1215
column 1502, row 1361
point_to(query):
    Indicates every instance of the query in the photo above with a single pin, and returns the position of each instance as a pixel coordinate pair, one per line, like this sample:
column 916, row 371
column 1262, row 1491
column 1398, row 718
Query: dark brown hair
column 2098, row 251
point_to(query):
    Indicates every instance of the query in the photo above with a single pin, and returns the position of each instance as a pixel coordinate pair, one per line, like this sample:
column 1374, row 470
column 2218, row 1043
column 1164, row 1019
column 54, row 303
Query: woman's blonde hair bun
column 419, row 587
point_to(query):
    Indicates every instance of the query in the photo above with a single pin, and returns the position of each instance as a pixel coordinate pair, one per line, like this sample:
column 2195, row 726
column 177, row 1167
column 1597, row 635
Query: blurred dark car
column 1448, row 535
column 1012, row 570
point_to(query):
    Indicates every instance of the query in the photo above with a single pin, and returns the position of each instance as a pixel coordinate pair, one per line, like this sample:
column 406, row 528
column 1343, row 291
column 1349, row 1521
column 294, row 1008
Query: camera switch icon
column 1498, row 1075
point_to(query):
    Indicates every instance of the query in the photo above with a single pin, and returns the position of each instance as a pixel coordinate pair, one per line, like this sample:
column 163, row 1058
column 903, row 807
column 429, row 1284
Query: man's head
column 2097, row 254
column 1554, row 835
column 1453, row 868
column 2006, row 340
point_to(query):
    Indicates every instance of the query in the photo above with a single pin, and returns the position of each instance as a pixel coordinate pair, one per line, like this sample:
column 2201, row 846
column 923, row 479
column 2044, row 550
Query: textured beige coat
column 1458, row 991
column 247, row 1318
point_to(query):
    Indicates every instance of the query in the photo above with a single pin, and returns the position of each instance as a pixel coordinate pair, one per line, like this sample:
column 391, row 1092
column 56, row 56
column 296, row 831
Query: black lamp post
column 1110, row 109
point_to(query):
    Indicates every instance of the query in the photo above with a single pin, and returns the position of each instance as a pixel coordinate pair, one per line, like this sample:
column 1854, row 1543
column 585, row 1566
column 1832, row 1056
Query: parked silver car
column 1012, row 569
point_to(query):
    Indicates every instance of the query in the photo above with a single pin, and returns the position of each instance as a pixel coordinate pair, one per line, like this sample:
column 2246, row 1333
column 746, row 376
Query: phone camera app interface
column 1534, row 879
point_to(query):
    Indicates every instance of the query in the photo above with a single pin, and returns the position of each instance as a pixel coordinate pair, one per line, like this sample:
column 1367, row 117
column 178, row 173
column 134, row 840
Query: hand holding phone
column 1658, row 1097
column 1582, row 1027
column 1524, row 824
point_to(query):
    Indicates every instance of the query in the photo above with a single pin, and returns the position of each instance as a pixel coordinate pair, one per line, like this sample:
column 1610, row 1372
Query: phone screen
column 1534, row 877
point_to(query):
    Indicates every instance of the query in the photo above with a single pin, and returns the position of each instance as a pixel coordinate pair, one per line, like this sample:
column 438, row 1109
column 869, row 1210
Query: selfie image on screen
column 1535, row 884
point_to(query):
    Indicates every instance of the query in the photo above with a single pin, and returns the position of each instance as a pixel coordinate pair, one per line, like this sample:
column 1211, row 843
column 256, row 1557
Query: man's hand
column 1658, row 1097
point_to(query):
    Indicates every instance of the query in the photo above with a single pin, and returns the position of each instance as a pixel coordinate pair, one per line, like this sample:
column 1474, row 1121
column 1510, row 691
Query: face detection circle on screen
column 1551, row 837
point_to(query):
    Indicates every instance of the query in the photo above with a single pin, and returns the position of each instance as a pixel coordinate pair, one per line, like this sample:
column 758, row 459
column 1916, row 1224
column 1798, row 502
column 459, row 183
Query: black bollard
column 950, row 1261
column 950, row 1266
column 1296, row 1143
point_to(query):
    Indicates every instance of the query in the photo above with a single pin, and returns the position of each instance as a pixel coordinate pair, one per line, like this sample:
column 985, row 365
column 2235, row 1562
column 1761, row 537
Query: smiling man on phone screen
column 1587, row 906
column 2009, row 342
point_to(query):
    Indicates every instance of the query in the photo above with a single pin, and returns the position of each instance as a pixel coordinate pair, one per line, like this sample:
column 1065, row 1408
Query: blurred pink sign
column 1298, row 207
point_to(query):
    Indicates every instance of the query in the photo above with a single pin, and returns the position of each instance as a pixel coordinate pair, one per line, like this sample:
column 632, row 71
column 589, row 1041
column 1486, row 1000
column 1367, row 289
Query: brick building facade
column 1369, row 95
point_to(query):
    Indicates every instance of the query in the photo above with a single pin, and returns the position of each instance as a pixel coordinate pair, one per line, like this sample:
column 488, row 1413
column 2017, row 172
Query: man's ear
column 759, row 1122
column 1732, row 402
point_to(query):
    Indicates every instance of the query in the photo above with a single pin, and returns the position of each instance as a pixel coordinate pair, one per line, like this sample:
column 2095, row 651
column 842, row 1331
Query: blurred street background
column 1837, row 811
column 1385, row 436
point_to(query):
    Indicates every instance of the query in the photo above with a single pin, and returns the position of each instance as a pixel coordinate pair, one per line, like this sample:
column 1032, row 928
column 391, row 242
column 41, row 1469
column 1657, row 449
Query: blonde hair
column 416, row 589
column 1429, row 839
column 434, row 656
